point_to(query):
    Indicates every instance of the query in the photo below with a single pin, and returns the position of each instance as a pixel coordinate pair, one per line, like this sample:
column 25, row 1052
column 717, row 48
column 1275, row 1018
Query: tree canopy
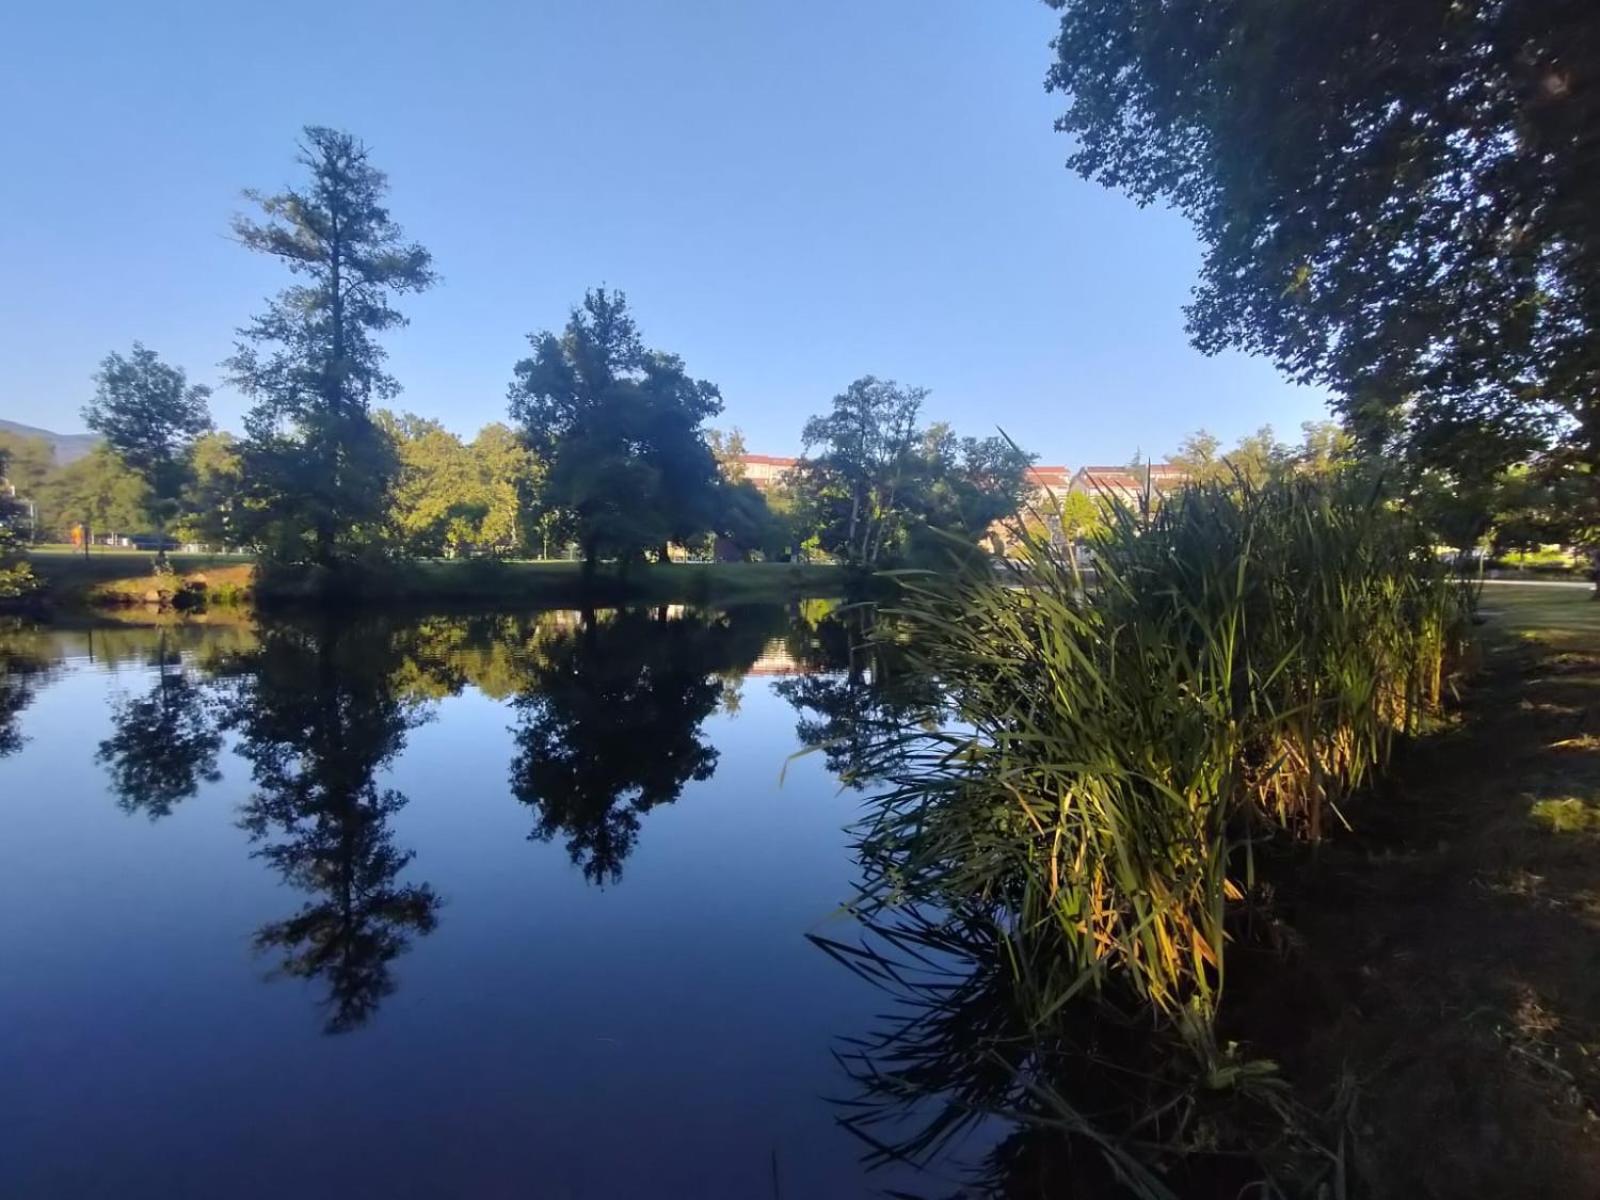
column 16, row 577
column 99, row 492
column 621, row 429
column 150, row 416
column 1400, row 201
column 873, row 479
column 452, row 497
column 318, row 468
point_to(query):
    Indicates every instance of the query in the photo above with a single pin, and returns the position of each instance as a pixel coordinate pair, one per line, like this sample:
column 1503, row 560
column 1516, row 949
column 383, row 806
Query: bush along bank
column 1086, row 826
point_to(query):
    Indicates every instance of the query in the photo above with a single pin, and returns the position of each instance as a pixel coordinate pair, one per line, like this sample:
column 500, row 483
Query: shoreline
column 120, row 581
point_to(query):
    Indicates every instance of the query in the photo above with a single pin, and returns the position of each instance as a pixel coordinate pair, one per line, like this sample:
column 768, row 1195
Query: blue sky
column 792, row 195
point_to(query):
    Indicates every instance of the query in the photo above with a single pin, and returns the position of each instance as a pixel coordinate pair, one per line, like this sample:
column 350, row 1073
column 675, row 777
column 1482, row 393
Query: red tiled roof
column 1130, row 478
column 1154, row 468
column 1047, row 477
column 767, row 460
column 1043, row 475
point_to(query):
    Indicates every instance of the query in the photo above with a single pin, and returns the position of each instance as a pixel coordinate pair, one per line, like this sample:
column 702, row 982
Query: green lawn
column 62, row 567
column 1450, row 941
column 1563, row 615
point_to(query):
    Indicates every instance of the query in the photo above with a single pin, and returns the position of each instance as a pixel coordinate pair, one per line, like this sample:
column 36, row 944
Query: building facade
column 767, row 471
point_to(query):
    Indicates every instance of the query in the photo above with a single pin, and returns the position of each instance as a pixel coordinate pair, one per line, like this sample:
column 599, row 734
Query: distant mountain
column 68, row 447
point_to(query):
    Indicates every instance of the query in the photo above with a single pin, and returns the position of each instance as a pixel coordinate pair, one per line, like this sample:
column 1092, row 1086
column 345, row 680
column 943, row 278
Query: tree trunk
column 855, row 513
column 335, row 392
column 161, row 565
column 590, row 564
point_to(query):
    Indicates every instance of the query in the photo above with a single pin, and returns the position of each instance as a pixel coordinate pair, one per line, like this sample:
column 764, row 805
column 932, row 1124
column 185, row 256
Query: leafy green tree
column 1254, row 459
column 1065, row 520
column 1259, row 456
column 853, row 487
column 16, row 577
column 1396, row 200
column 748, row 523
column 318, row 468
column 150, row 415
column 728, row 448
column 98, row 492
column 1199, row 457
column 1527, row 512
column 621, row 431
column 436, row 505
column 509, row 478
column 1528, row 506
column 213, row 511
column 1326, row 447
column 880, row 482
column 30, row 463
column 451, row 498
column 963, row 486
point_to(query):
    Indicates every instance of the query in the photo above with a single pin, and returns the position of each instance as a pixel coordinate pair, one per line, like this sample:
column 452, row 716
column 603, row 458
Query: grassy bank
column 546, row 584
column 1442, row 986
column 119, row 578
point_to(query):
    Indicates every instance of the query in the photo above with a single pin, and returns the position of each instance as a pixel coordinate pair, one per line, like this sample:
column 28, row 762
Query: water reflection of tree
column 318, row 715
column 24, row 665
column 164, row 743
column 609, row 723
column 860, row 695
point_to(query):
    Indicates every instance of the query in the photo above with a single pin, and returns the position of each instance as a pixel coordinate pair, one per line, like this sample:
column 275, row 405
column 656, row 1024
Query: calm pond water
column 478, row 905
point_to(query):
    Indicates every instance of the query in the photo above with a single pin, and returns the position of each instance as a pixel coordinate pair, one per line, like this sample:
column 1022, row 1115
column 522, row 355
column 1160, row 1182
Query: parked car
column 149, row 541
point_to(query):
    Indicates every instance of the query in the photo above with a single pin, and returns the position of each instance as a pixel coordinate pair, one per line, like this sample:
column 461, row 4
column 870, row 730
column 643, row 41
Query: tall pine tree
column 318, row 467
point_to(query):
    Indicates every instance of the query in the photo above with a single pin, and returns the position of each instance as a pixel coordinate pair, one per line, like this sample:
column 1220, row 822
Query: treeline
column 608, row 447
column 1516, row 508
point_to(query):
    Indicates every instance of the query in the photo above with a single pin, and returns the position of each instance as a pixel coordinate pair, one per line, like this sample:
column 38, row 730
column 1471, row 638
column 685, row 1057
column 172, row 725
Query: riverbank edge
column 104, row 582
column 1432, row 979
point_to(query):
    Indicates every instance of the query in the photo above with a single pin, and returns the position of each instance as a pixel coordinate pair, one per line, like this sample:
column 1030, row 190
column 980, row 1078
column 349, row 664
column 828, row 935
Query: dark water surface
column 473, row 905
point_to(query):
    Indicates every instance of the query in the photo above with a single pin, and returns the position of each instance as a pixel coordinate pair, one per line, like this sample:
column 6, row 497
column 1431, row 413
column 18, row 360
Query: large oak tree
column 1399, row 200
column 622, row 431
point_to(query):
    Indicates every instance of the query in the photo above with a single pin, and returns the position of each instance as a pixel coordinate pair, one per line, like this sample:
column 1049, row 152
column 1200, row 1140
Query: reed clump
column 1076, row 832
column 1244, row 659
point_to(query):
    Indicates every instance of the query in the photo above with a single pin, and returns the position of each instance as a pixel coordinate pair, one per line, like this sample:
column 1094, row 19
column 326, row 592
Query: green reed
column 1244, row 660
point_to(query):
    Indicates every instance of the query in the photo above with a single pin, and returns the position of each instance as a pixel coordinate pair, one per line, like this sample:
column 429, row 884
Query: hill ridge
column 67, row 447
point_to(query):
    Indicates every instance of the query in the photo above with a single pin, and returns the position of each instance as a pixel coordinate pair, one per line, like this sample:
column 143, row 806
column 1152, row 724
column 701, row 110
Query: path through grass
column 1447, row 976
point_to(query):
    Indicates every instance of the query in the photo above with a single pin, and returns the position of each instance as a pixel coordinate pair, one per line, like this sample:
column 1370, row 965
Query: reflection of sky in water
column 662, row 1036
